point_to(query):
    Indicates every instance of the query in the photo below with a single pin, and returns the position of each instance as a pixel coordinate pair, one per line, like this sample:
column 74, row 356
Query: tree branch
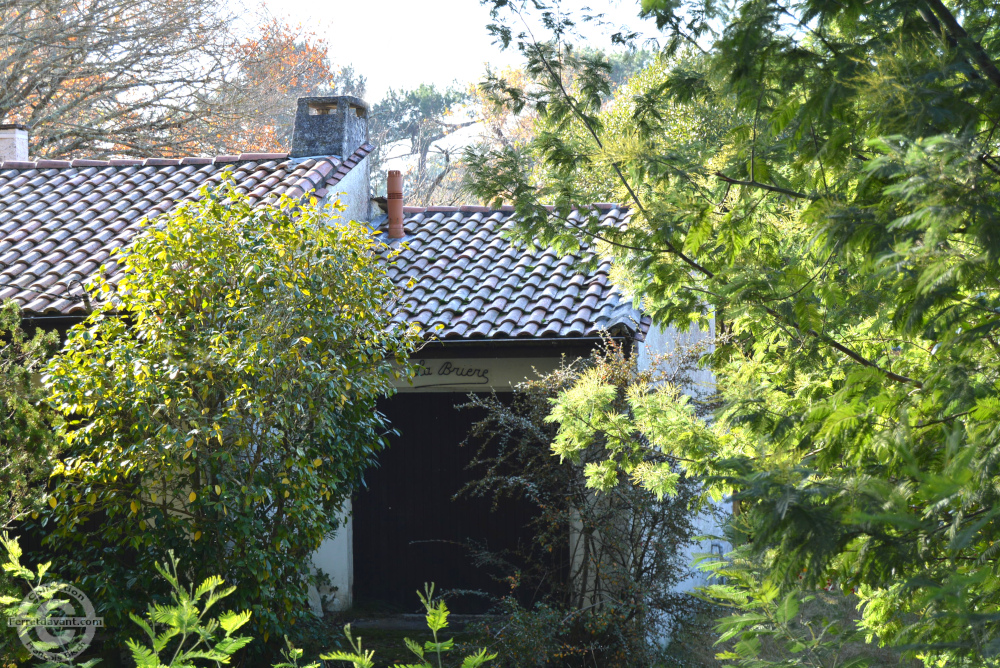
column 763, row 186
column 955, row 29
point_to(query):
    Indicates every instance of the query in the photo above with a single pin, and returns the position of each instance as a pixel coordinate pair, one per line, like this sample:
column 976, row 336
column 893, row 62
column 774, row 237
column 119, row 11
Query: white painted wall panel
column 335, row 557
column 709, row 523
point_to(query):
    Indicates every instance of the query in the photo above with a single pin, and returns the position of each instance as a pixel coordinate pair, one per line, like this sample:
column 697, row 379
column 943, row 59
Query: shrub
column 25, row 431
column 220, row 403
column 26, row 439
column 615, row 597
column 180, row 632
column 429, row 654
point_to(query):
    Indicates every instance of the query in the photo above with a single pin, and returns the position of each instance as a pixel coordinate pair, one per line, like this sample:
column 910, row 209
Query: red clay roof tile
column 473, row 282
column 59, row 221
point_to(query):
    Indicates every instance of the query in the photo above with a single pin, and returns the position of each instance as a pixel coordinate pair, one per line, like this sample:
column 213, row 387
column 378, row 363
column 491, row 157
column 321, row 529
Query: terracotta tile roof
column 59, row 220
column 472, row 281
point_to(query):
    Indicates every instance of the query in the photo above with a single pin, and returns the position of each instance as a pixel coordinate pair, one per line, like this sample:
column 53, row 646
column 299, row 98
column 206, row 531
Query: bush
column 614, row 600
column 25, row 430
column 180, row 633
column 26, row 439
column 220, row 404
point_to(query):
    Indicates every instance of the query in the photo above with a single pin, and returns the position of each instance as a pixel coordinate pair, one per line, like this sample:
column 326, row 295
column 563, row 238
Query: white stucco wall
column 660, row 342
column 335, row 557
column 354, row 192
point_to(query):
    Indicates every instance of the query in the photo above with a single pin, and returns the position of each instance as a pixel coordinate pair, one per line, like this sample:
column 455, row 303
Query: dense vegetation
column 819, row 182
column 616, row 597
column 220, row 403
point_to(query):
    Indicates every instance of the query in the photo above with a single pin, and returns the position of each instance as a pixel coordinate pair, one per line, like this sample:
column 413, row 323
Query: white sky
column 403, row 43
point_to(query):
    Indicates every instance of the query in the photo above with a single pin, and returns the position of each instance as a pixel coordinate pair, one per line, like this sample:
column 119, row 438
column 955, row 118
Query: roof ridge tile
column 256, row 157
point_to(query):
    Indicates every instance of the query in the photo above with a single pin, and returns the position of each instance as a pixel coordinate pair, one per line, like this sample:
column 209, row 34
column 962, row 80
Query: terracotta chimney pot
column 394, row 190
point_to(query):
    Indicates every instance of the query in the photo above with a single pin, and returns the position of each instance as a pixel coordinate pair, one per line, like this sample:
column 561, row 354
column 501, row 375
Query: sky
column 403, row 43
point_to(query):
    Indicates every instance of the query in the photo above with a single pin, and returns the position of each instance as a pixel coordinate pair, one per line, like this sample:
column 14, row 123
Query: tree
column 220, row 403
column 501, row 127
column 615, row 598
column 102, row 77
column 419, row 120
column 838, row 222
column 26, row 438
column 99, row 78
column 256, row 109
column 25, row 431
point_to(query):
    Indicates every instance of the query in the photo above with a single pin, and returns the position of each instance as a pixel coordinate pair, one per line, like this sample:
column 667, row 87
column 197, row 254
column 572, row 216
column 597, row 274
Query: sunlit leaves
column 822, row 181
column 244, row 343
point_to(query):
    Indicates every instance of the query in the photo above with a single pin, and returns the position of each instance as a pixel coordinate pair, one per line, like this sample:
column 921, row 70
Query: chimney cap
column 14, row 126
column 333, row 125
column 321, row 101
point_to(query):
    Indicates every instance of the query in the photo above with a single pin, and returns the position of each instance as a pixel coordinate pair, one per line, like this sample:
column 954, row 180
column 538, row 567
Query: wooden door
column 408, row 530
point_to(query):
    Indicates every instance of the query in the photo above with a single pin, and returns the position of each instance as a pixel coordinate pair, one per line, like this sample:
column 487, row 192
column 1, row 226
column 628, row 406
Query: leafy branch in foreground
column 819, row 184
column 47, row 600
column 437, row 620
column 189, row 635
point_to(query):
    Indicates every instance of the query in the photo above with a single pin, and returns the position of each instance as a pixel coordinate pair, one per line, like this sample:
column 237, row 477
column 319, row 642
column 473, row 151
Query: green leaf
column 788, row 608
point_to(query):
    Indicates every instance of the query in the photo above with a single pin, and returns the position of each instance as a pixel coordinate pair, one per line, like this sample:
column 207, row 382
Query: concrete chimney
column 13, row 142
column 329, row 126
column 394, row 192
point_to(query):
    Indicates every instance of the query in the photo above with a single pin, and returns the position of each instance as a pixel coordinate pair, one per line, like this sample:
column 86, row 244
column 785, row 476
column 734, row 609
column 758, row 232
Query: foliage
column 428, row 654
column 838, row 224
column 256, row 107
column 25, row 430
column 626, row 547
column 220, row 402
column 139, row 77
column 188, row 635
column 501, row 126
column 292, row 655
column 44, row 604
column 773, row 625
column 416, row 124
column 26, row 438
column 107, row 74
column 623, row 65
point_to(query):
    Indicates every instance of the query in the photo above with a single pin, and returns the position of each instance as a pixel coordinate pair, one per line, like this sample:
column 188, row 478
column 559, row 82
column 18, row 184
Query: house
column 498, row 313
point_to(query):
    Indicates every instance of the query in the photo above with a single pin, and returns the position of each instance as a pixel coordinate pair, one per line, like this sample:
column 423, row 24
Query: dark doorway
column 407, row 528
